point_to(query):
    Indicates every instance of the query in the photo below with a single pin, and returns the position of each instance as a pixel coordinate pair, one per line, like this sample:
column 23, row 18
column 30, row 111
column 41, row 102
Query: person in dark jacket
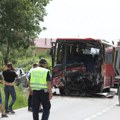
column 9, row 76
column 1, row 106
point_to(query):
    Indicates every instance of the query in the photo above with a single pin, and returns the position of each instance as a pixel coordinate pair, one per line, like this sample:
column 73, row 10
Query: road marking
column 99, row 113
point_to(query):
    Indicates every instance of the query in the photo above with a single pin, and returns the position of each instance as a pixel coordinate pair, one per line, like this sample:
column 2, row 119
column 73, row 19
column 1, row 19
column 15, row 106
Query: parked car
column 22, row 79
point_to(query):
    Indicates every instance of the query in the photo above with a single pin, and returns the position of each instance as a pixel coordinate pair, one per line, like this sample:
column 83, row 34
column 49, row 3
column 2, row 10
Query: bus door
column 108, row 68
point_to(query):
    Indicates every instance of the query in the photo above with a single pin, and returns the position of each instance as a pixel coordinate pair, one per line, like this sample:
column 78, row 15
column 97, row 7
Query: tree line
column 20, row 23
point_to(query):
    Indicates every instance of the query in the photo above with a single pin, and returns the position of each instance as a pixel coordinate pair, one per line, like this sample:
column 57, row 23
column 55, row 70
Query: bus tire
column 106, row 90
column 101, row 84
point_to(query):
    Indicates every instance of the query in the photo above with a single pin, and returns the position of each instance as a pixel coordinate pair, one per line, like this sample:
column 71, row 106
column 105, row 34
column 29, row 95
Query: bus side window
column 108, row 57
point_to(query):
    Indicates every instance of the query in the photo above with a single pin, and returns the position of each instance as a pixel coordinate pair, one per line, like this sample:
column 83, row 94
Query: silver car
column 22, row 79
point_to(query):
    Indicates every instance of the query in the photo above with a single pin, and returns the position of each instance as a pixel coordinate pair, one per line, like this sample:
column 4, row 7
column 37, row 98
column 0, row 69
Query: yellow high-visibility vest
column 38, row 78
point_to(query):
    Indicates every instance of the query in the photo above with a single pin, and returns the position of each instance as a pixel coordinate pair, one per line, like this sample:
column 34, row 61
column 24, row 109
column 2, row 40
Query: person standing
column 40, row 84
column 9, row 76
column 30, row 91
column 1, row 106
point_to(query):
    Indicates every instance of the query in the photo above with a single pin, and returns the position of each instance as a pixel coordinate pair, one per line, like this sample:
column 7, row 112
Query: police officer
column 40, row 83
column 30, row 91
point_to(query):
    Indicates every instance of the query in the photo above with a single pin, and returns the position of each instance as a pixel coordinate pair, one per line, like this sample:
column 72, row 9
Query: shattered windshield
column 74, row 53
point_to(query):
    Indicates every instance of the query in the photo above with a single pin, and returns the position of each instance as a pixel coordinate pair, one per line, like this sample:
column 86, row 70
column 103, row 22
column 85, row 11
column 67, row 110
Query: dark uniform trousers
column 40, row 96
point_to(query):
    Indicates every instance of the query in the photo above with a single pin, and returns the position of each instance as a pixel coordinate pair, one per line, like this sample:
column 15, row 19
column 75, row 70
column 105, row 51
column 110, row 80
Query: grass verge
column 21, row 97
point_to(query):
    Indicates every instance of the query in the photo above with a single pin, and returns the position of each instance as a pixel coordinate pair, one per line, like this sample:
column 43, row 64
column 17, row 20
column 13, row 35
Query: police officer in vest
column 40, row 83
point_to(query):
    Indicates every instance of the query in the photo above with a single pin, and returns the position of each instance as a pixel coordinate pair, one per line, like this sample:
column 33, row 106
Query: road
column 76, row 108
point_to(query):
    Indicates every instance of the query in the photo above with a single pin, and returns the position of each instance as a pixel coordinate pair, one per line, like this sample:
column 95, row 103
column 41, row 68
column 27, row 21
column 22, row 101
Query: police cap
column 42, row 61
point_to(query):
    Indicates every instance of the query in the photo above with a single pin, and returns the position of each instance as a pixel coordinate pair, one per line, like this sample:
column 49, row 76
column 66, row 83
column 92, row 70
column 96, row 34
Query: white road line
column 99, row 113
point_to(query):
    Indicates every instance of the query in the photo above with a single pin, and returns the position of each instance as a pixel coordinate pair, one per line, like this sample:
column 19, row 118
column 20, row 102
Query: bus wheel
column 106, row 90
column 119, row 94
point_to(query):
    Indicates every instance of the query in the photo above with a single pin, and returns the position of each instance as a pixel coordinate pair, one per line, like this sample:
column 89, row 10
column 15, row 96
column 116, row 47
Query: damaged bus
column 82, row 66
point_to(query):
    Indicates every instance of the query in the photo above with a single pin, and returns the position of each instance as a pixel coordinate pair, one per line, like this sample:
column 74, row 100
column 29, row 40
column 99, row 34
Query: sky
column 83, row 19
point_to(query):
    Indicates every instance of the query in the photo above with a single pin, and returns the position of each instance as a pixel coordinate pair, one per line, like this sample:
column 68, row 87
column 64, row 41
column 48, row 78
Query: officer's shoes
column 13, row 112
column 30, row 109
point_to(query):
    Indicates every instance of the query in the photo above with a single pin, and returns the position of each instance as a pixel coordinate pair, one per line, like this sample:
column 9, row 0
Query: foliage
column 20, row 24
column 25, row 60
column 19, row 55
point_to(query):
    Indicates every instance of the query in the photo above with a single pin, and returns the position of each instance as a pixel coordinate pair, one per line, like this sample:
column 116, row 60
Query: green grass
column 21, row 97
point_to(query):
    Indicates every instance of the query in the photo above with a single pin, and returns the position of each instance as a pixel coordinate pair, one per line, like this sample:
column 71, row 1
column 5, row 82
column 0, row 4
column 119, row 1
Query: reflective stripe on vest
column 38, row 78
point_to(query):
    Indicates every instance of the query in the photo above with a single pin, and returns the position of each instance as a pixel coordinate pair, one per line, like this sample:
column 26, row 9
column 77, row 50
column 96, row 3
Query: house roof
column 44, row 42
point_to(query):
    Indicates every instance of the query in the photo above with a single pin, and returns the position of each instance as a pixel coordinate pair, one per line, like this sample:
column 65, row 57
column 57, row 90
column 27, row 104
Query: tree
column 20, row 23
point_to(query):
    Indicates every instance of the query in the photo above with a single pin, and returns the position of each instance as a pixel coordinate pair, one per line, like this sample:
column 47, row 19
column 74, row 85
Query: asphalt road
column 76, row 108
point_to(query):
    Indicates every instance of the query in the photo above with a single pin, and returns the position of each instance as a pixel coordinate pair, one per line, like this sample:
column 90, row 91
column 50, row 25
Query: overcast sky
column 83, row 19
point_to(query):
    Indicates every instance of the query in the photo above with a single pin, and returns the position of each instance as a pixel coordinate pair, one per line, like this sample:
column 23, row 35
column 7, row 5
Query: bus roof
column 102, row 41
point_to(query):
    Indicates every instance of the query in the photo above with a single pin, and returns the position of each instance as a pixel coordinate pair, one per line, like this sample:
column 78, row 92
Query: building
column 43, row 44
